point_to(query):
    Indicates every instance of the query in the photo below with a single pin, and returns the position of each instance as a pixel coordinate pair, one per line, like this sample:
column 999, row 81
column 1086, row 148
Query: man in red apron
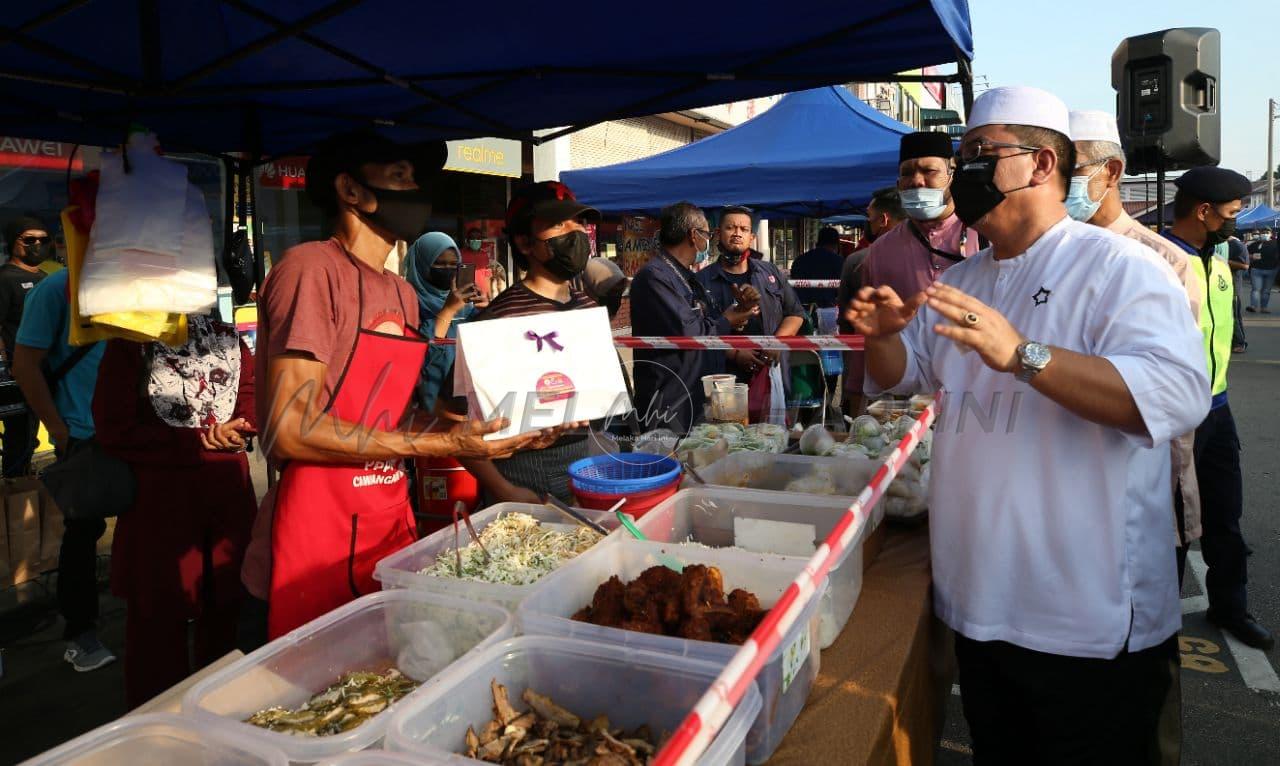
column 339, row 361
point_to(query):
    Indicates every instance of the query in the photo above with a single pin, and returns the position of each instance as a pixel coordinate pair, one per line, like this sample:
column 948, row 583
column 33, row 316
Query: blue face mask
column 923, row 204
column 1079, row 205
column 704, row 253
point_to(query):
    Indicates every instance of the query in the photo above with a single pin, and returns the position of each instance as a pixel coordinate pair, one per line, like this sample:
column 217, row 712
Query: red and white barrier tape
column 814, row 282
column 728, row 342
column 717, row 704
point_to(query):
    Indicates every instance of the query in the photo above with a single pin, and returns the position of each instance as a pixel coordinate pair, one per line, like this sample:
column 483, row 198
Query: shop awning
column 272, row 77
column 815, row 153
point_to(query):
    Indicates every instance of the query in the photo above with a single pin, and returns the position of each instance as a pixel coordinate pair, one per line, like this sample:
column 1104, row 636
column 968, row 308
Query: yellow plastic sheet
column 139, row 326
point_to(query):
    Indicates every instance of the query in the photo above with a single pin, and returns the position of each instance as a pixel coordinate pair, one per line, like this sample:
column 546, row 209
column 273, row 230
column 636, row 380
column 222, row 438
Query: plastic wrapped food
column 816, row 441
column 661, row 441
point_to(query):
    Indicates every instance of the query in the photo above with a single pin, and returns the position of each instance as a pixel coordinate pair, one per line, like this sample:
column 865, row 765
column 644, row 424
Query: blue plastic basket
column 624, row 473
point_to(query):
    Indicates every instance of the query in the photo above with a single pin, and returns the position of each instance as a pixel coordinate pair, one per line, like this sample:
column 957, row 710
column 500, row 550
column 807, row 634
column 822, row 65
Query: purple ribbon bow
column 549, row 338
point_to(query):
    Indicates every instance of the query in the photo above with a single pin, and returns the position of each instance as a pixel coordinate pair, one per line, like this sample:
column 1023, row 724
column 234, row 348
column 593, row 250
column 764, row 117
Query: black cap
column 1216, row 185
column 346, row 152
column 14, row 228
column 926, row 143
column 545, row 201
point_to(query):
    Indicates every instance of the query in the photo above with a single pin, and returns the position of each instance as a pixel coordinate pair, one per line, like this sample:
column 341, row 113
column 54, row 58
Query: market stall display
column 708, row 442
column 428, row 564
column 690, row 603
column 417, row 634
column 547, row 733
column 632, row 688
column 778, row 523
column 160, row 738
column 788, row 672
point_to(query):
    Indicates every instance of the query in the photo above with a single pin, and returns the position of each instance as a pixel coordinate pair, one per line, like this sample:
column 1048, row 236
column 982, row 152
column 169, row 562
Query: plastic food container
column 403, row 568
column 420, row 633
column 785, row 679
column 706, row 515
column 827, row 477
column 378, row 758
column 161, row 739
column 631, row 686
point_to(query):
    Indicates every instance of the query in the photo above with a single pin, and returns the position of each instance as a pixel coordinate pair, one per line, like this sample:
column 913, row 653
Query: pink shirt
column 899, row 260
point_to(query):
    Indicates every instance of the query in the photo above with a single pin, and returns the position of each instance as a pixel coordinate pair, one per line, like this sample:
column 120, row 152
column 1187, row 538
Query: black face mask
column 569, row 254
column 974, row 191
column 34, row 255
column 731, row 259
column 441, row 277
column 1222, row 233
column 403, row 213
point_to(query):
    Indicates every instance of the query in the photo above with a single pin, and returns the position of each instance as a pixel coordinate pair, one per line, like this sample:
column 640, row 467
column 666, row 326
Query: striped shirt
column 518, row 300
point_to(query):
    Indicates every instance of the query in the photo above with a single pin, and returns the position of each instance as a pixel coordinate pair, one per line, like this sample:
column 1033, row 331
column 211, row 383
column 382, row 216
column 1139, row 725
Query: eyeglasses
column 706, row 233
column 971, row 152
column 34, row 240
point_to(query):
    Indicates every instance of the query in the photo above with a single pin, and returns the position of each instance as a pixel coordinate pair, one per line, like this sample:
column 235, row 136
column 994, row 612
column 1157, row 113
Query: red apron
column 333, row 523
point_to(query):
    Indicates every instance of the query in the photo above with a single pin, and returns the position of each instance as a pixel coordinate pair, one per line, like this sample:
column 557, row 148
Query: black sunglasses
column 34, row 240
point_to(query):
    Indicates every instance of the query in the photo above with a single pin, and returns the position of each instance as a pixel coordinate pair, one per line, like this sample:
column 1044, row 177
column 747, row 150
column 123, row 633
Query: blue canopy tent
column 815, row 153
column 273, row 77
column 1260, row 217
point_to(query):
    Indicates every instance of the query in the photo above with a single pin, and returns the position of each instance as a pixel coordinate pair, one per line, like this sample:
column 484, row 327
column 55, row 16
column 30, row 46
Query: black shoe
column 1245, row 629
column 1251, row 309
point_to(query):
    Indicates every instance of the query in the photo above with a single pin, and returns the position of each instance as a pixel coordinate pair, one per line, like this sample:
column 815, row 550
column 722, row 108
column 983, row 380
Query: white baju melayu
column 1049, row 531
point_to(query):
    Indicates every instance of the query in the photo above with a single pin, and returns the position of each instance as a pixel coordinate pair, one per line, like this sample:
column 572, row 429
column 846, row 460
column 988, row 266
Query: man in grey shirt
column 1238, row 260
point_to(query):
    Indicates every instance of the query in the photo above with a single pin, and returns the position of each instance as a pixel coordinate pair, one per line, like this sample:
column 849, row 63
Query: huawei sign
column 34, row 153
column 284, row 173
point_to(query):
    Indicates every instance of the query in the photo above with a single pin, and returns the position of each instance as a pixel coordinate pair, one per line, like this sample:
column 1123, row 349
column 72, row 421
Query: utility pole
column 1272, row 116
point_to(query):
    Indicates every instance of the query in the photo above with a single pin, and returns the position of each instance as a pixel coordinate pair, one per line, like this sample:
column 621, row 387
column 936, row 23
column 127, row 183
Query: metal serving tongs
column 554, row 502
column 460, row 511
column 689, row 469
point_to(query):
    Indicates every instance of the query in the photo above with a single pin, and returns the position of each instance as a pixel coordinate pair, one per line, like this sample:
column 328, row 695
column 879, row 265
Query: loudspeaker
column 1168, row 99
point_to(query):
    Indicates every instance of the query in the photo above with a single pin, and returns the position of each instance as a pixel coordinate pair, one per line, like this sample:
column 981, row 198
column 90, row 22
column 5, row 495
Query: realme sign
column 491, row 156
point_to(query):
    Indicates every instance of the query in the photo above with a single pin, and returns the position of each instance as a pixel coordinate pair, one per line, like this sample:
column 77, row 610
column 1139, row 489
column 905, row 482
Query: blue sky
column 1066, row 49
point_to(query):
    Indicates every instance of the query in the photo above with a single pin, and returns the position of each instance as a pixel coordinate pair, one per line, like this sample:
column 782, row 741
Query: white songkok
column 1091, row 125
column 1020, row 105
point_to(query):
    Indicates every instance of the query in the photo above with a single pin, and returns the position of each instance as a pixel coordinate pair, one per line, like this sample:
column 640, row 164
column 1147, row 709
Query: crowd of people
column 1004, row 272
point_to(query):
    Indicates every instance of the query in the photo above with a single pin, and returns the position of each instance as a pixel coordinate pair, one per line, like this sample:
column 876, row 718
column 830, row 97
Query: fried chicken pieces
column 689, row 605
column 549, row 735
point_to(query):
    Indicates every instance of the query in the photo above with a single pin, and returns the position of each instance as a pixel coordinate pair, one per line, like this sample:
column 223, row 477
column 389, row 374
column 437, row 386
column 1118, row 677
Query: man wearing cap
column 1094, row 197
column 780, row 311
column 667, row 299
column 340, row 362
column 1204, row 212
column 1068, row 360
column 544, row 224
column 910, row 257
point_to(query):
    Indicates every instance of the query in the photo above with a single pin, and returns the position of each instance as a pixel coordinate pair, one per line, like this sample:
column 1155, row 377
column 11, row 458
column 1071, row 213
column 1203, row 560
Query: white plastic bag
column 777, row 397
column 151, row 247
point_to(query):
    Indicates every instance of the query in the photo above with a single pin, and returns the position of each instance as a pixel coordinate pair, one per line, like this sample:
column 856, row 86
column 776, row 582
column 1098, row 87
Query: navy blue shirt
column 819, row 263
column 667, row 299
column 777, row 299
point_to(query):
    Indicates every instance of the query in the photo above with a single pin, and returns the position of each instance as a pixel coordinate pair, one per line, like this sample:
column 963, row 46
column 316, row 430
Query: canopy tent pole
column 965, row 67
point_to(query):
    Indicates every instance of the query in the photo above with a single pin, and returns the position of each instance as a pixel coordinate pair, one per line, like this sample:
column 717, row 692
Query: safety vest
column 1217, row 316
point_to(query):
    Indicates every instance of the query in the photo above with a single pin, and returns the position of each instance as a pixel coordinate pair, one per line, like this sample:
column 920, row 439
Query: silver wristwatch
column 1032, row 359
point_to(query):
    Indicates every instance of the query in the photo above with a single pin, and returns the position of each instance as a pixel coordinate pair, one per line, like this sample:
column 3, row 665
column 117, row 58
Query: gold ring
column 971, row 319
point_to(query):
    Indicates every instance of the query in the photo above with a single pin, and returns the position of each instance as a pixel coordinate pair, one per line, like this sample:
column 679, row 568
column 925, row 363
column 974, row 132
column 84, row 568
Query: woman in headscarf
column 180, row 418
column 431, row 266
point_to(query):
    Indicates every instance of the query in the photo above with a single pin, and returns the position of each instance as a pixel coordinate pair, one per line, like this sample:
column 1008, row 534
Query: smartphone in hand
column 466, row 275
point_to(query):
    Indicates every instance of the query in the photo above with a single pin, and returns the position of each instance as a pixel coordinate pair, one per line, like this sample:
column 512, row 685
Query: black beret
column 927, row 143
column 1216, row 185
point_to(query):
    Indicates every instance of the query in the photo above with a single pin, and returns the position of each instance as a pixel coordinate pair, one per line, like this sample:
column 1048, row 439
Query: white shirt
column 1049, row 531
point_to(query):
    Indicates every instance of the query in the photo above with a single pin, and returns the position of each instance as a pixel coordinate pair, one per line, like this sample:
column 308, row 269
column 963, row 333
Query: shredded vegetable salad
column 521, row 552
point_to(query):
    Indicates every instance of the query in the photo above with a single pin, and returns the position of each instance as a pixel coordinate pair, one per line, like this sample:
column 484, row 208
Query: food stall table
column 880, row 695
